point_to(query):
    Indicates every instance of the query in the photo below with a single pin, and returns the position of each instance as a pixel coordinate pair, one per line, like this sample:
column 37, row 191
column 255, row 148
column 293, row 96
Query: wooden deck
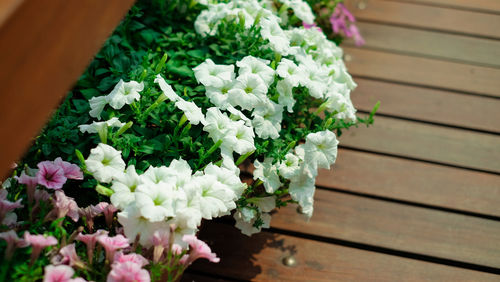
column 416, row 196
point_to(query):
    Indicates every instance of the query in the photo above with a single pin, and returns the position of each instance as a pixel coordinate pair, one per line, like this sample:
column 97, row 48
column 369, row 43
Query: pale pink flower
column 13, row 242
column 50, row 175
column 198, row 249
column 90, row 241
column 41, row 195
column 31, row 182
column 339, row 20
column 128, row 272
column 108, row 210
column 112, row 244
column 60, row 273
column 3, row 194
column 161, row 241
column 89, row 213
column 64, row 205
column 132, row 257
column 67, row 255
column 7, row 206
column 38, row 243
column 71, row 171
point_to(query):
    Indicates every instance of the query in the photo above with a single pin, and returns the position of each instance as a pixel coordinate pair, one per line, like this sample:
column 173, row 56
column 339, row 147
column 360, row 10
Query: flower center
column 248, row 89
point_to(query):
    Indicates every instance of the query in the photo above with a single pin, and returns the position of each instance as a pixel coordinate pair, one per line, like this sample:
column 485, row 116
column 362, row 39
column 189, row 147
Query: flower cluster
column 230, row 110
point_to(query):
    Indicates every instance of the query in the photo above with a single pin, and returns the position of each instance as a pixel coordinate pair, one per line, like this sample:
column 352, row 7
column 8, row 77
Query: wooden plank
column 398, row 227
column 192, row 277
column 259, row 258
column 42, row 55
column 424, row 71
column 490, row 6
column 428, row 17
column 414, row 181
column 429, row 43
column 427, row 142
column 430, row 105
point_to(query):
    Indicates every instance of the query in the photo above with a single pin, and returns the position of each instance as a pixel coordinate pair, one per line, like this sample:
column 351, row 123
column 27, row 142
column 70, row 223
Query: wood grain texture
column 424, row 104
column 430, row 43
column 491, row 6
column 192, row 277
column 424, row 71
column 42, row 55
column 413, row 181
column 398, row 227
column 428, row 17
column 427, row 142
column 259, row 258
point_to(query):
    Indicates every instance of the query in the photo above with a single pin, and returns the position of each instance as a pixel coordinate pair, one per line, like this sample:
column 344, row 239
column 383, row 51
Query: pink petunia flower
column 38, row 243
column 108, row 210
column 128, row 272
column 112, row 244
column 342, row 20
column 50, row 175
column 67, row 255
column 31, row 182
column 71, row 171
column 132, row 257
column 90, row 240
column 13, row 242
column 7, row 206
column 198, row 249
column 161, row 242
column 65, row 206
column 60, row 273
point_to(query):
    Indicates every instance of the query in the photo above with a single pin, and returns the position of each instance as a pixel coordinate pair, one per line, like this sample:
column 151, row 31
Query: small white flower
column 302, row 190
column 210, row 74
column 97, row 105
column 135, row 224
column 239, row 138
column 238, row 115
column 256, row 66
column 105, row 162
column 156, row 175
column 288, row 70
column 266, row 204
column 125, row 93
column 155, row 201
column 96, row 127
column 181, row 171
column 188, row 214
column 218, row 95
column 166, row 89
column 315, row 79
column 285, row 91
column 192, row 111
column 226, row 177
column 320, row 149
column 268, row 174
column 290, row 166
column 302, row 10
column 124, row 187
column 248, row 91
column 267, row 120
column 271, row 30
column 216, row 124
column 246, row 227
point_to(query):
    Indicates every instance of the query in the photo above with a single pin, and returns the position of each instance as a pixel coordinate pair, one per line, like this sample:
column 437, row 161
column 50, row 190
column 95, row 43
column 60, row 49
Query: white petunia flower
column 210, row 74
column 105, row 162
column 256, row 66
column 247, row 227
column 125, row 93
column 267, row 120
column 266, row 204
column 290, row 166
column 96, row 127
column 278, row 41
column 192, row 111
column 226, row 177
column 302, row 10
column 156, row 175
column 124, row 187
column 238, row 115
column 135, row 224
column 302, row 190
column 320, row 149
column 285, row 91
column 188, row 214
column 156, row 201
column 248, row 91
column 315, row 79
column 288, row 70
column 228, row 161
column 97, row 105
column 167, row 89
column 268, row 174
column 216, row 124
column 181, row 171
column 239, row 138
column 218, row 95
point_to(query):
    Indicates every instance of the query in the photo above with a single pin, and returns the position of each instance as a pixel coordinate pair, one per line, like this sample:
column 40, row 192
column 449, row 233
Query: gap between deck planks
column 484, row 6
column 459, row 48
column 412, row 181
column 260, row 258
column 427, row 17
column 463, row 148
column 424, row 71
column 398, row 227
column 429, row 105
